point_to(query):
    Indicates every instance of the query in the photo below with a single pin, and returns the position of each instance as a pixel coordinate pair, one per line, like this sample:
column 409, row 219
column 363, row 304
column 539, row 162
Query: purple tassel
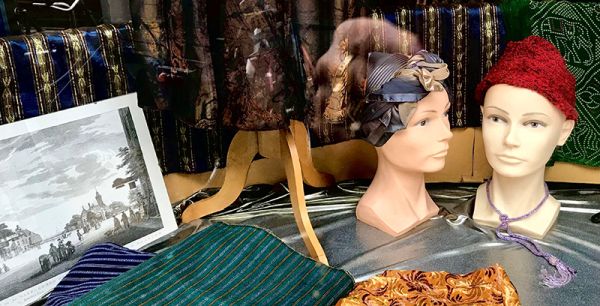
column 564, row 276
column 564, row 273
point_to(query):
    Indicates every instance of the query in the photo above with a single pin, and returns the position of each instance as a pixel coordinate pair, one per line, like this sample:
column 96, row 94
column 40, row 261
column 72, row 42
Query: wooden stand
column 294, row 152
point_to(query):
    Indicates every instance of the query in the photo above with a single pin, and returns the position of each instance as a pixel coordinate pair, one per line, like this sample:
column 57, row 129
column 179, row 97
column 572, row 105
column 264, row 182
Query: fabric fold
column 225, row 265
column 98, row 265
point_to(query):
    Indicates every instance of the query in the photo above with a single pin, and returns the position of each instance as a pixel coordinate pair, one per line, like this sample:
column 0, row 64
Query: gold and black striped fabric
column 469, row 38
column 50, row 71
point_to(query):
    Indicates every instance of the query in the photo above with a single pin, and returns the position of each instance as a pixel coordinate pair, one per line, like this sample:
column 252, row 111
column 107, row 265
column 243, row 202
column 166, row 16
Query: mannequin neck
column 516, row 196
column 396, row 201
column 404, row 187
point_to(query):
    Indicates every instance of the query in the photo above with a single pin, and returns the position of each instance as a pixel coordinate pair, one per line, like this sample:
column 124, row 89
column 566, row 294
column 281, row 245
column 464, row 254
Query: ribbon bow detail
column 428, row 74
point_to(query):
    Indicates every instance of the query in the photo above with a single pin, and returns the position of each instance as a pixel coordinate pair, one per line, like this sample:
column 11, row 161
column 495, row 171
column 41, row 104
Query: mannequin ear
column 566, row 130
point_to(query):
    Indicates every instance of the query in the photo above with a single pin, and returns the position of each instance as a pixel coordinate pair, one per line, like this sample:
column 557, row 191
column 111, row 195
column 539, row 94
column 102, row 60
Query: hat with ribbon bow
column 395, row 83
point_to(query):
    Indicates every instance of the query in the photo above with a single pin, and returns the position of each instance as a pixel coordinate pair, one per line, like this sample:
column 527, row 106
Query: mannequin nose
column 512, row 137
column 446, row 133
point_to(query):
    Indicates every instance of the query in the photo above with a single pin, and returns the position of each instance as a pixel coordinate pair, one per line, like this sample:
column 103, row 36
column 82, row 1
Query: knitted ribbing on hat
column 536, row 64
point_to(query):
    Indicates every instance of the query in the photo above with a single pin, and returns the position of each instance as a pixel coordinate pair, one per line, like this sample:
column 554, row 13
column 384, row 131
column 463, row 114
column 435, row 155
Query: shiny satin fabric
column 487, row 286
column 395, row 83
column 450, row 242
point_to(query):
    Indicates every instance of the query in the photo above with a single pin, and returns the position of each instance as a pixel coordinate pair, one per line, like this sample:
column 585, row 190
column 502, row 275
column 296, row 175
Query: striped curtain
column 47, row 72
column 50, row 71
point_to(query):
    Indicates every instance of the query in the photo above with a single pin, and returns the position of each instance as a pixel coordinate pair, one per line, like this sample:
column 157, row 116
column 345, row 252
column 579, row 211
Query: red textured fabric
column 534, row 63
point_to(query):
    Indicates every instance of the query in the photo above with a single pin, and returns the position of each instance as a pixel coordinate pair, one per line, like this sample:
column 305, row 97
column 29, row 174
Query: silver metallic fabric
column 450, row 242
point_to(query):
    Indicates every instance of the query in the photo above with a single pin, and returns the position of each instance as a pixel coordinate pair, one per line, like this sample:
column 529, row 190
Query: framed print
column 70, row 180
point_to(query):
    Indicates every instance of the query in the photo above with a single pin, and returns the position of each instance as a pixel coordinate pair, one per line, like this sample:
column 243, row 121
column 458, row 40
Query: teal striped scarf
column 225, row 265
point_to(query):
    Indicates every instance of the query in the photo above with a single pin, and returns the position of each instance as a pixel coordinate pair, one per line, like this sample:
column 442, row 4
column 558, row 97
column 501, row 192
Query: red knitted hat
column 534, row 63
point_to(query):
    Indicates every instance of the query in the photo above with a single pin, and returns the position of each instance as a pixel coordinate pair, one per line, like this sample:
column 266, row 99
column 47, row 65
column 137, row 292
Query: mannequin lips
column 440, row 154
column 509, row 159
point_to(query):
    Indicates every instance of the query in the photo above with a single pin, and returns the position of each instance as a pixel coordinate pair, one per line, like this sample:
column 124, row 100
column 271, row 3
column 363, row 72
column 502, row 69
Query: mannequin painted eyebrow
column 526, row 114
column 497, row 109
column 536, row 113
column 435, row 111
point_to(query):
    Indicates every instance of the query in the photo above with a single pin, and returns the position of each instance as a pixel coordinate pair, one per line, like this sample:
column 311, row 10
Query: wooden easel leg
column 310, row 174
column 289, row 157
column 242, row 151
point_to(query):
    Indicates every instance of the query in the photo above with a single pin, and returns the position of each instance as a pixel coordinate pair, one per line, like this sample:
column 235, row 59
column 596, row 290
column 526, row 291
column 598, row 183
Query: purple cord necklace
column 565, row 273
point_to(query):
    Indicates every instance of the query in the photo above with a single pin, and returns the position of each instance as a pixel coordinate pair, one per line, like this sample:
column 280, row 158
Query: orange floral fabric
column 488, row 286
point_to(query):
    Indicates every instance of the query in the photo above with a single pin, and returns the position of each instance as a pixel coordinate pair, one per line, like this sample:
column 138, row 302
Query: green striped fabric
column 225, row 265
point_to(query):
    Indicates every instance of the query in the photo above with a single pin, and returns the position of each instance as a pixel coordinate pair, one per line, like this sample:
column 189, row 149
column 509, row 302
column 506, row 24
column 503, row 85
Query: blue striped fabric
column 98, row 265
column 46, row 72
column 225, row 265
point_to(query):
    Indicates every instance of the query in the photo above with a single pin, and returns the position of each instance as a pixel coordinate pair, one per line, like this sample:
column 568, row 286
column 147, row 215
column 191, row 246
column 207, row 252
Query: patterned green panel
column 574, row 28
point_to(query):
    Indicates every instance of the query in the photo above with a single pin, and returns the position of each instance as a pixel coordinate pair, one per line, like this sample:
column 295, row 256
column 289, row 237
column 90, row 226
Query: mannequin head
column 405, row 118
column 406, row 112
column 423, row 145
column 528, row 105
column 521, row 129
